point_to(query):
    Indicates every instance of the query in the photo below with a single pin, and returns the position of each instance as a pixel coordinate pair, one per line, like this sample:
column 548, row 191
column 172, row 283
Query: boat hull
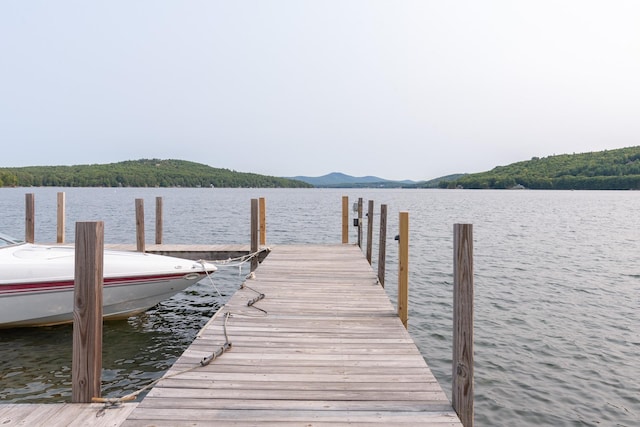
column 133, row 283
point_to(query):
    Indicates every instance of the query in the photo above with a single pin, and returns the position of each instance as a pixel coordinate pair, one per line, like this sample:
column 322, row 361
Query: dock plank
column 63, row 415
column 323, row 347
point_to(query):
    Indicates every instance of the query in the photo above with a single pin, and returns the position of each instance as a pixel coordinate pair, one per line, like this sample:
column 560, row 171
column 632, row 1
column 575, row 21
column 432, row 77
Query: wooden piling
column 382, row 245
column 360, row 222
column 263, row 220
column 369, row 231
column 254, row 232
column 140, row 225
column 159, row 220
column 30, row 218
column 462, row 396
column 403, row 270
column 87, row 312
column 345, row 219
column 61, row 218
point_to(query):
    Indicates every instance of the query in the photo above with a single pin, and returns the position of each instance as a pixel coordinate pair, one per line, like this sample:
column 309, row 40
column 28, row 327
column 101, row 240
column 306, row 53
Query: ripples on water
column 557, row 286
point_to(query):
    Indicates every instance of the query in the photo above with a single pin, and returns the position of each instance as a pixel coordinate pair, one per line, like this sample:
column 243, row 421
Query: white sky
column 399, row 89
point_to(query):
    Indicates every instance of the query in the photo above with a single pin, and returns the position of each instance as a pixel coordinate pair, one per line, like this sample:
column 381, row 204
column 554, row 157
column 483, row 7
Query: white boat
column 37, row 282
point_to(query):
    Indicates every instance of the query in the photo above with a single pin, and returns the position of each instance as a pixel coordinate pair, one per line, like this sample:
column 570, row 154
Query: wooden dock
column 321, row 345
column 324, row 346
column 312, row 340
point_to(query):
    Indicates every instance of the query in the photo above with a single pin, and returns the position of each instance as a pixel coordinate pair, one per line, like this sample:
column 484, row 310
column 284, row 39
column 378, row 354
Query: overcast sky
column 399, row 89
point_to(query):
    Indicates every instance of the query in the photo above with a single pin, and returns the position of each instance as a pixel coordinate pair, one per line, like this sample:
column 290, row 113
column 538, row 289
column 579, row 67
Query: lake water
column 557, row 290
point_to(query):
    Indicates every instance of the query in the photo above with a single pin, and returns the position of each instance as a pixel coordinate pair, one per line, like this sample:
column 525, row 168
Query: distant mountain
column 340, row 180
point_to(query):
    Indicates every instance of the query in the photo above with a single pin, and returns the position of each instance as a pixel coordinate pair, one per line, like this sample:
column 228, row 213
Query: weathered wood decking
column 63, row 415
column 328, row 349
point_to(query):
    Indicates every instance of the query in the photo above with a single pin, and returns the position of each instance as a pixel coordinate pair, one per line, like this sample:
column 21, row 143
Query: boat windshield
column 8, row 240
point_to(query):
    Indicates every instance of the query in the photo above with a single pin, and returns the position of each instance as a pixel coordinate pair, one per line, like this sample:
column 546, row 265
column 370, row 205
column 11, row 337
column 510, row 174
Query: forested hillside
column 138, row 173
column 603, row 170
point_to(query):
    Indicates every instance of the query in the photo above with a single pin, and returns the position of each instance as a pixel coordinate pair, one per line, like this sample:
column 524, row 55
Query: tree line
column 603, row 170
column 139, row 173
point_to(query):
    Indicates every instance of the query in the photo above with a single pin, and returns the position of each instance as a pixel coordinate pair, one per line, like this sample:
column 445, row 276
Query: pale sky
column 400, row 89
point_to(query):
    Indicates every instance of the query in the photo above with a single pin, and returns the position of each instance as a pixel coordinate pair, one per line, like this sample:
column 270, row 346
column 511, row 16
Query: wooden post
column 345, row 219
column 254, row 233
column 263, row 221
column 140, row 225
column 382, row 245
column 369, row 231
column 360, row 222
column 86, row 366
column 462, row 396
column 159, row 220
column 61, row 218
column 403, row 270
column 30, row 218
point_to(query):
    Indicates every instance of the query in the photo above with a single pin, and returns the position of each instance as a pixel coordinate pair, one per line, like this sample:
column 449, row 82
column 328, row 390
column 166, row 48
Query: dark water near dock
column 557, row 320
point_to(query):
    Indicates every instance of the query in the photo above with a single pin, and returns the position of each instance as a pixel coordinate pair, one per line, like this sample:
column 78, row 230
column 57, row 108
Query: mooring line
column 211, row 280
column 224, row 347
column 253, row 301
column 115, row 402
column 238, row 261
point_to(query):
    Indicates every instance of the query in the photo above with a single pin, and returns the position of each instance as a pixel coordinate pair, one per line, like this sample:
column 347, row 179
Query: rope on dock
column 252, row 301
column 231, row 262
column 115, row 402
column 224, row 347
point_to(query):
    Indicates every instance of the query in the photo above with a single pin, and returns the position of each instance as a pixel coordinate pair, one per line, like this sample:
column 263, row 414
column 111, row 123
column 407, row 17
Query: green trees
column 8, row 179
column 605, row 170
column 139, row 173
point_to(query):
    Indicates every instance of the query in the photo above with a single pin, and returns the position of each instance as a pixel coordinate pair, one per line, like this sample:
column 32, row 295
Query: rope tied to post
column 239, row 261
column 232, row 262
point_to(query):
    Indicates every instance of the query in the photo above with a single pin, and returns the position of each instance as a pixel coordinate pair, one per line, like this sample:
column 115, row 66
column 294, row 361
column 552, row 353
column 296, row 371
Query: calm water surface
column 557, row 276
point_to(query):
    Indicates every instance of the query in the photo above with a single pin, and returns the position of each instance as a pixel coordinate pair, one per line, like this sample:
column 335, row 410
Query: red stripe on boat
column 64, row 285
